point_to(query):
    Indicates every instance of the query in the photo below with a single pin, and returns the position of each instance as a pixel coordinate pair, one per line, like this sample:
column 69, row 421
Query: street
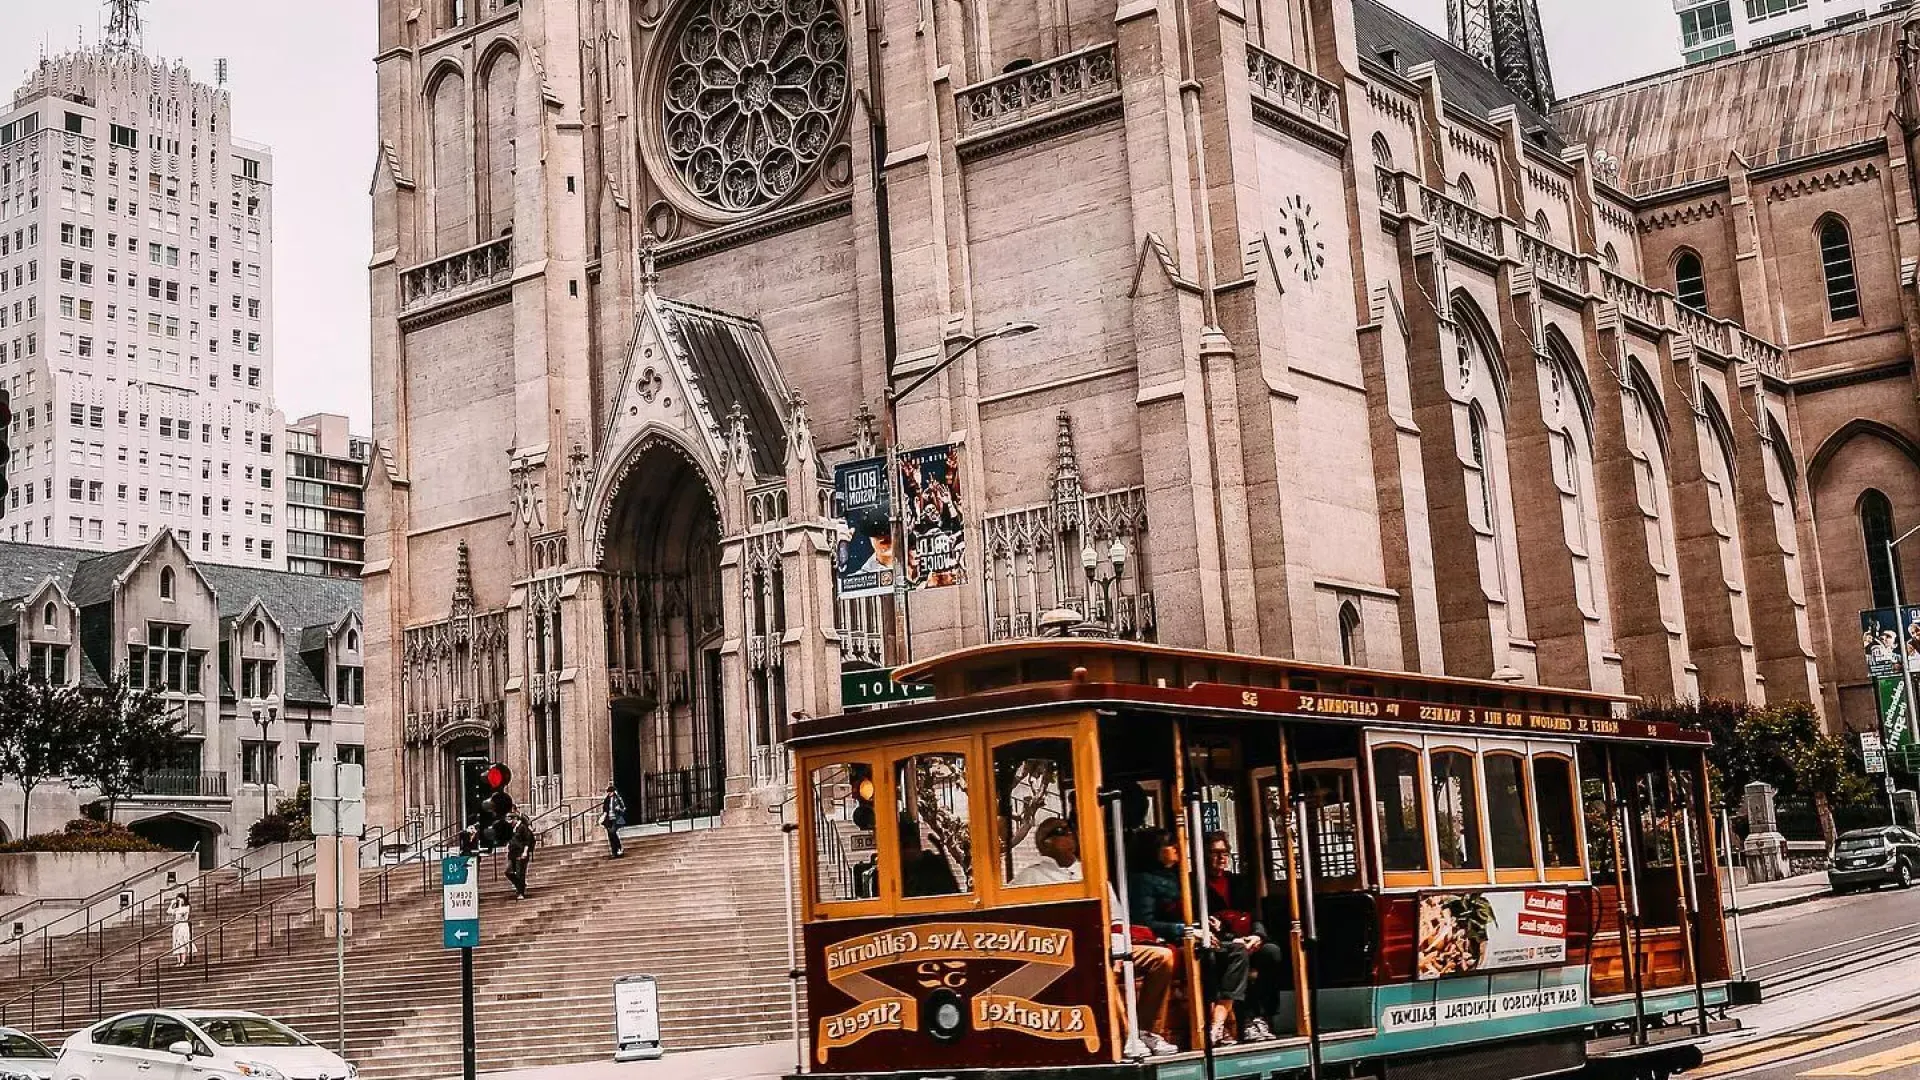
column 1841, row 976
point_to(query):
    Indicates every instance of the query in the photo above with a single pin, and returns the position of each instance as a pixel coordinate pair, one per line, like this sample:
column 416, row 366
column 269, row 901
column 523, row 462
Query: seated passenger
column 1231, row 902
column 922, row 872
column 1154, row 892
column 1055, row 840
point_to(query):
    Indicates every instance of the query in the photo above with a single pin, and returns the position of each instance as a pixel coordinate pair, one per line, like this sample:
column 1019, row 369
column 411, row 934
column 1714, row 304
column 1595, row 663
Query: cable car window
column 844, row 857
column 1331, row 821
column 1507, row 824
column 1654, row 812
column 1456, row 811
column 1553, row 802
column 935, row 849
column 1397, row 805
column 1033, row 797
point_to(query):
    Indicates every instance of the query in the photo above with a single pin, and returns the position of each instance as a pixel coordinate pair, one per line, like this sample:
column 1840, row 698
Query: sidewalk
column 1773, row 894
column 767, row 1061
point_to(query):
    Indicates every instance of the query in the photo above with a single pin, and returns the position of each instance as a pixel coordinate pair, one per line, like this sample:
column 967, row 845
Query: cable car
column 1097, row 858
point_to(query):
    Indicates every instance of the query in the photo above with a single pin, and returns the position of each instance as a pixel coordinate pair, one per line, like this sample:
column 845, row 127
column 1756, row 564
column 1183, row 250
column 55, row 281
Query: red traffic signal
column 498, row 777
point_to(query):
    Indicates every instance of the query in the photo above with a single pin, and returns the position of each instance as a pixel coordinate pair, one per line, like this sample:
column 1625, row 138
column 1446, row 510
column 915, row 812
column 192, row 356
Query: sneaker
column 1257, row 1031
column 1157, row 1045
column 1220, row 1035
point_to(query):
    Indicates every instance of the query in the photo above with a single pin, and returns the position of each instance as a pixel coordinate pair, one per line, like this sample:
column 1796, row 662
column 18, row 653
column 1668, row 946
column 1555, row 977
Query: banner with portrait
column 864, row 558
column 931, row 507
column 1886, row 639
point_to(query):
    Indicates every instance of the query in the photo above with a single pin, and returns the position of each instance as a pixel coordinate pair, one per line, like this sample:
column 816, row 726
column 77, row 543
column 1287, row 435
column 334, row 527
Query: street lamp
column 1900, row 632
column 1090, row 562
column 265, row 720
column 955, row 351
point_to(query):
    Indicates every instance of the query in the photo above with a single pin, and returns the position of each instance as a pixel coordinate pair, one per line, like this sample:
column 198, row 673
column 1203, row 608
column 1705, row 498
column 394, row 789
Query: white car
column 23, row 1057
column 196, row 1044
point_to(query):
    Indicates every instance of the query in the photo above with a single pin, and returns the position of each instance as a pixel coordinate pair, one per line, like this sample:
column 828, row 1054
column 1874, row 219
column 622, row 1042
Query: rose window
column 753, row 94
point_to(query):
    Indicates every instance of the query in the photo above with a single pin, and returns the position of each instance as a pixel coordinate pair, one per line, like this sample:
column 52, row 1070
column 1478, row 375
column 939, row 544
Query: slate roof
column 304, row 605
column 1794, row 99
column 1464, row 81
column 732, row 363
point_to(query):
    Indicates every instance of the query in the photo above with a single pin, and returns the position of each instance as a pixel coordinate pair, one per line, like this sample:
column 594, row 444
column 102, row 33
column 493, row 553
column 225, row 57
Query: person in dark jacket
column 1153, row 895
column 613, row 815
column 923, row 872
column 520, row 854
column 1234, row 904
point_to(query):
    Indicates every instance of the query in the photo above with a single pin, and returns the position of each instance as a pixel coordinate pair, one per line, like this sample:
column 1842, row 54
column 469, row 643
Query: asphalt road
column 1885, row 1046
column 1804, row 936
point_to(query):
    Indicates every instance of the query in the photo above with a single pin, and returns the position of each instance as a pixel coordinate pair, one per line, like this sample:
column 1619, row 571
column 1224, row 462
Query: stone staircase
column 704, row 912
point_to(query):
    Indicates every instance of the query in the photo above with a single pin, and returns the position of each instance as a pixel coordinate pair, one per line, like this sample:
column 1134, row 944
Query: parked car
column 23, row 1057
column 1868, row 858
column 196, row 1044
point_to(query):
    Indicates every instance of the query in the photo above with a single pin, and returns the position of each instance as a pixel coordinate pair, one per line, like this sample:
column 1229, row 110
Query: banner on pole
column 931, row 505
column 1886, row 639
column 864, row 560
column 1896, row 714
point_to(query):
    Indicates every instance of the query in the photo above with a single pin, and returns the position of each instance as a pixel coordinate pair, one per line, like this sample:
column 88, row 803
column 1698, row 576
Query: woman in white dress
column 182, row 930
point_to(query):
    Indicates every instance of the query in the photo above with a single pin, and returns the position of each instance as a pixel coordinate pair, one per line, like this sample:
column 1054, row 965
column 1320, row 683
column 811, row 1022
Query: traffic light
column 6, row 425
column 499, row 804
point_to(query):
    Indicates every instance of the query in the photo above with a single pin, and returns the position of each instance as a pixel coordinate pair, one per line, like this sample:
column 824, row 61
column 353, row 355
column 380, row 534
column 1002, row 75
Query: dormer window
column 47, row 617
column 259, row 633
column 166, row 583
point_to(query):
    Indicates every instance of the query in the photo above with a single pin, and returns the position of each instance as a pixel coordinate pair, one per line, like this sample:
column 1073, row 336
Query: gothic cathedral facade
column 1338, row 341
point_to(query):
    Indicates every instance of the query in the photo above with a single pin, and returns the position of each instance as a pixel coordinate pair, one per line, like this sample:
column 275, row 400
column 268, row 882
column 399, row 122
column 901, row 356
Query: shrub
column 83, row 834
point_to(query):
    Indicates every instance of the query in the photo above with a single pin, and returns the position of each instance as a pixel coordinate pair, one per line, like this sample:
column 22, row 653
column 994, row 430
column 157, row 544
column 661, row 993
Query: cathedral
column 1276, row 326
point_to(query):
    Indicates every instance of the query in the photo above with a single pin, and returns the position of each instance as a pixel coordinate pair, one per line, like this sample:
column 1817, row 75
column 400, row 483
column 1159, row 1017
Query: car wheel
column 1904, row 874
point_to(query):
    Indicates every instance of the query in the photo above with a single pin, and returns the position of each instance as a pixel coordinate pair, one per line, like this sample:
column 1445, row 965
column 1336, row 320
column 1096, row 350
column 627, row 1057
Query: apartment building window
column 349, row 685
column 308, row 752
column 49, row 663
column 257, row 762
column 1767, row 9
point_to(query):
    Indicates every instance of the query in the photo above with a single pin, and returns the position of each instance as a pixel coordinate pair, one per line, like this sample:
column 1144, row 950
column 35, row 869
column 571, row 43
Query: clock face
column 1300, row 242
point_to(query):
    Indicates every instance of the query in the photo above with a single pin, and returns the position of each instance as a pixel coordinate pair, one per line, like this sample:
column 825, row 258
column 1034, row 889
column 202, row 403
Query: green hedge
column 85, row 834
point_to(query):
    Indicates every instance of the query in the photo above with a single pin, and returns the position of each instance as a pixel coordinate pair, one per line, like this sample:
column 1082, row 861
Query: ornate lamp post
column 1090, row 562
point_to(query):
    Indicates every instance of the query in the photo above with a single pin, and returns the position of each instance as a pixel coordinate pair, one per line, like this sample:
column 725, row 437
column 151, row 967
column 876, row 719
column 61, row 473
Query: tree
column 129, row 732
column 292, row 819
column 1783, row 745
column 43, row 733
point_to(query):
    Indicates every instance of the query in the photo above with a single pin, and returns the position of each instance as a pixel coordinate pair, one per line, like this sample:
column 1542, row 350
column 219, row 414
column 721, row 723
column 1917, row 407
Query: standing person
column 613, row 815
column 519, row 854
column 182, row 917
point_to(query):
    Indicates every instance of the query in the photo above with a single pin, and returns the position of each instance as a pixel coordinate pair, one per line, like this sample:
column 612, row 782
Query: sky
column 302, row 82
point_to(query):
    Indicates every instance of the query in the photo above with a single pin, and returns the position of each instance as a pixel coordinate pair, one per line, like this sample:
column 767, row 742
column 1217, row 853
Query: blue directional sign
column 460, row 902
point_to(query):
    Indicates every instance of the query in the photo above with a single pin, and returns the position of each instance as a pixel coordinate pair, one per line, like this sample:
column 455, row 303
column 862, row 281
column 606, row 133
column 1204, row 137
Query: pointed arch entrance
column 664, row 632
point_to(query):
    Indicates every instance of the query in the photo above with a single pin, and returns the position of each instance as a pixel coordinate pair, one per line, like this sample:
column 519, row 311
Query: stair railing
column 91, row 935
column 86, row 903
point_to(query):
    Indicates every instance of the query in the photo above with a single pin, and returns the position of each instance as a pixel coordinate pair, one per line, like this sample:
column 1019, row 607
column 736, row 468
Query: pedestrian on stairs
column 182, row 918
column 613, row 815
column 520, row 854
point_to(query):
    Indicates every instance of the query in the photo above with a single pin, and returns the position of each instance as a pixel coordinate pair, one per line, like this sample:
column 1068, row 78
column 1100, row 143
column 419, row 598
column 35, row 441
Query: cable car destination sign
column 1433, row 714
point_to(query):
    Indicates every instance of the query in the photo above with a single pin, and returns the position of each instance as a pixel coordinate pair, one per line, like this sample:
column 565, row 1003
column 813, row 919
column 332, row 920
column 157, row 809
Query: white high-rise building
column 1715, row 28
column 136, row 285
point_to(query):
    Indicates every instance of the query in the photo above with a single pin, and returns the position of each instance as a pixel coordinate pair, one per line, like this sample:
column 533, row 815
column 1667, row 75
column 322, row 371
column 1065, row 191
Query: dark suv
column 1874, row 857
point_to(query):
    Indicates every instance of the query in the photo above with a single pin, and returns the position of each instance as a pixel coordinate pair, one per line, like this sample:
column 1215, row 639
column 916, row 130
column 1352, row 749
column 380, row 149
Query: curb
column 1785, row 901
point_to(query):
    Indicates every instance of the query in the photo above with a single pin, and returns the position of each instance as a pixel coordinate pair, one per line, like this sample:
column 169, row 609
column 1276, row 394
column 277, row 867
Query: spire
column 649, row 267
column 1066, row 464
column 1506, row 37
column 123, row 26
column 463, row 584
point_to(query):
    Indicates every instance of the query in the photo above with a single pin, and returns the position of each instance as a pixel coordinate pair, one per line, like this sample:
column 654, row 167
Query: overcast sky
column 302, row 82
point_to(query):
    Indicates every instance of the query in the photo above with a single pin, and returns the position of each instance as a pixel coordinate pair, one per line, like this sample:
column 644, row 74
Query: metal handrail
column 137, row 947
column 210, row 895
column 98, row 895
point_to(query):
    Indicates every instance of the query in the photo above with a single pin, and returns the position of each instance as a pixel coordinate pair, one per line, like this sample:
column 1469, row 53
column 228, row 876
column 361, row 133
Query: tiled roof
column 1831, row 89
column 23, row 567
column 93, row 579
column 1465, row 82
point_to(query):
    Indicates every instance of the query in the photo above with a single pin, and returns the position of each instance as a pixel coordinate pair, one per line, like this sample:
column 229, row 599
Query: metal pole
column 1202, row 932
column 466, row 1013
column 1733, row 889
column 1900, row 636
column 790, row 851
column 1310, row 934
column 340, row 910
column 1692, row 897
column 1135, row 1048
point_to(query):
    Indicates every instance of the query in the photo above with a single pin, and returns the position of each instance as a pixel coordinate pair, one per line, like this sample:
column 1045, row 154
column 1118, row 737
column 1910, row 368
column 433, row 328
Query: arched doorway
column 664, row 630
column 180, row 832
column 464, row 760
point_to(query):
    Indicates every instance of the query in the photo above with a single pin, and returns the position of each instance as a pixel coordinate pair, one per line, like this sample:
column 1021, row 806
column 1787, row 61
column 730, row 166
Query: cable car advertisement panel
column 969, row 989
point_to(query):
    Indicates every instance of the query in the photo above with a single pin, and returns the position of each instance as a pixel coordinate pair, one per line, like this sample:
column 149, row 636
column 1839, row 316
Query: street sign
column 460, row 902
column 339, row 799
column 1872, row 755
column 875, row 686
